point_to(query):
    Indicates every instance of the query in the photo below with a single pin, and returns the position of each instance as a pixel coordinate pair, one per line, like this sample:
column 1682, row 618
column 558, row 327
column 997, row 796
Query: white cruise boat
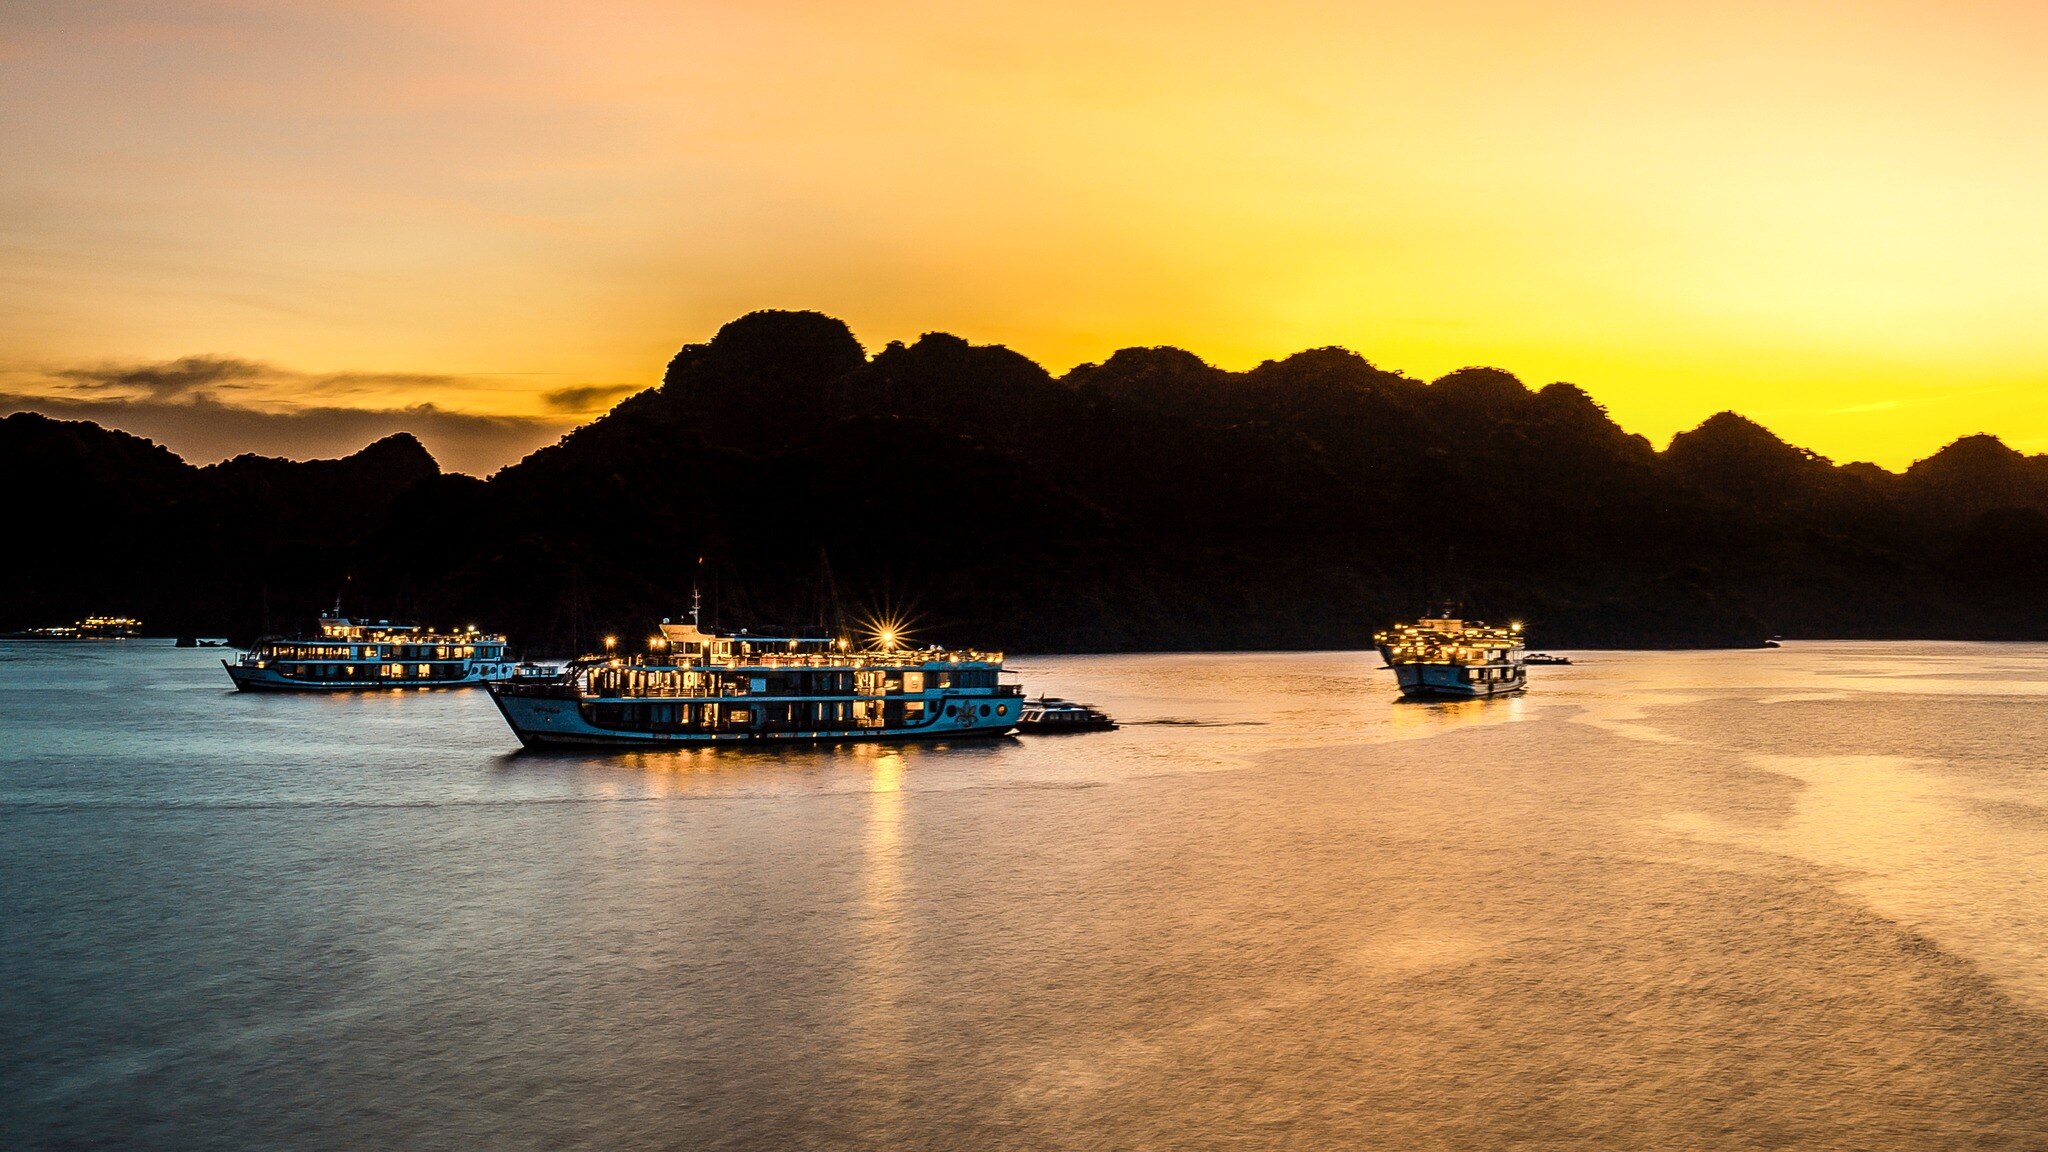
column 360, row 655
column 1454, row 659
column 695, row 687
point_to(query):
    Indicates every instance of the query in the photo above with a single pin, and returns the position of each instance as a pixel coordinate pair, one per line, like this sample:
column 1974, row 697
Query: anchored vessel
column 1454, row 659
column 701, row 687
column 90, row 628
column 350, row 655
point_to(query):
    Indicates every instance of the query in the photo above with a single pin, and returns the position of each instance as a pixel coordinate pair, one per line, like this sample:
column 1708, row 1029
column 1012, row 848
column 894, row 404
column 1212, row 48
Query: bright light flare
column 887, row 633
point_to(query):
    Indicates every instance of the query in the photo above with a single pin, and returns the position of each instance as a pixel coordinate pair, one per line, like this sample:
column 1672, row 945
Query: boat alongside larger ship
column 1451, row 659
column 351, row 655
column 695, row 687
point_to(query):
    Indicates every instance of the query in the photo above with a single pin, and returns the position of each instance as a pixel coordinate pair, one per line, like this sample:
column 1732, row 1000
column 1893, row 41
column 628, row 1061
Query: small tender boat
column 1049, row 716
column 1452, row 659
column 1545, row 658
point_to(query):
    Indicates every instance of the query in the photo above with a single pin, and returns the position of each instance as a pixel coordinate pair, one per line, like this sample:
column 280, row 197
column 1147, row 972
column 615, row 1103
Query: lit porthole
column 1002, row 709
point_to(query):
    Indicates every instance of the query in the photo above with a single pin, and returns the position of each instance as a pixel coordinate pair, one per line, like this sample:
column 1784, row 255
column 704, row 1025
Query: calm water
column 1795, row 898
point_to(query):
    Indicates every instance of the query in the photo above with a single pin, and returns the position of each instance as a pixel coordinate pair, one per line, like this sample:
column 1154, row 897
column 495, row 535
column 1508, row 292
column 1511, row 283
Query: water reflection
column 1754, row 899
column 1962, row 860
column 883, row 875
column 1426, row 717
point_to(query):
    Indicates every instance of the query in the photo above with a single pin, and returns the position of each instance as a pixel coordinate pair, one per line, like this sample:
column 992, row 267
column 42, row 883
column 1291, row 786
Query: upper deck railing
column 783, row 658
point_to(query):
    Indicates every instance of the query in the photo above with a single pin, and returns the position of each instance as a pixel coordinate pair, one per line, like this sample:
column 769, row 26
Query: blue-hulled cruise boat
column 356, row 655
column 694, row 687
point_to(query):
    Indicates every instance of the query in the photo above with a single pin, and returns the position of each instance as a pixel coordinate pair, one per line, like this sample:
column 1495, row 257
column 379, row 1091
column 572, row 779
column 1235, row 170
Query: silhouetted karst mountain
column 1978, row 473
column 1735, row 459
column 129, row 527
column 1151, row 500
column 2004, row 551
column 93, row 512
column 777, row 353
column 346, row 497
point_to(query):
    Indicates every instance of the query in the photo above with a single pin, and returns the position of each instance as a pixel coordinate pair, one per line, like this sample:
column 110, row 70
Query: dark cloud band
column 587, row 399
column 198, row 406
column 205, row 430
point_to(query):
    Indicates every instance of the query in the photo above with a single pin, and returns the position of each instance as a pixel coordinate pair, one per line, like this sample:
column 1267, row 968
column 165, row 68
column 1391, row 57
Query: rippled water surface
column 1774, row 899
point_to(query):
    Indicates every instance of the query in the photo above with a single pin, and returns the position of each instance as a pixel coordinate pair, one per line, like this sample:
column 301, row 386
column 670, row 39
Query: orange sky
column 1829, row 217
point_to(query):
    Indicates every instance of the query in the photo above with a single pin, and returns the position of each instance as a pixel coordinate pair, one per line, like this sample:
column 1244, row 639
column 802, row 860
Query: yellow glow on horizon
column 1825, row 217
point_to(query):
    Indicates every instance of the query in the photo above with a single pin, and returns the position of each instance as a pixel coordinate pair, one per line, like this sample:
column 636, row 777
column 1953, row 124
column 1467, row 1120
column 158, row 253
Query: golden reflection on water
column 1940, row 854
column 1749, row 903
column 878, row 1018
column 1423, row 718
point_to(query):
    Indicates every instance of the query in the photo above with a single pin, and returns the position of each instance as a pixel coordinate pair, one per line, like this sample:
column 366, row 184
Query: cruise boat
column 1453, row 659
column 357, row 655
column 90, row 628
column 694, row 686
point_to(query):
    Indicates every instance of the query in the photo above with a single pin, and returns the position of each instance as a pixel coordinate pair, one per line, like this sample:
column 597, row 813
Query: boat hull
column 250, row 679
column 1457, row 682
column 551, row 721
column 1040, row 728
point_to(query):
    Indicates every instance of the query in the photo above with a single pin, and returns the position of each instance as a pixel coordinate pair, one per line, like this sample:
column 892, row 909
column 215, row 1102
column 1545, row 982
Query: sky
column 289, row 228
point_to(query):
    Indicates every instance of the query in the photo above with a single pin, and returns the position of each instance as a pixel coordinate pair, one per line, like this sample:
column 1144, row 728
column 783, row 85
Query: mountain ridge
column 1147, row 501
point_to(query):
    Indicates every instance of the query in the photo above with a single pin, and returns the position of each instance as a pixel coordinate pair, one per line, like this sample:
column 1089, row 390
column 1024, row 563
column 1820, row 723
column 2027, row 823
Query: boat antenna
column 831, row 606
column 696, row 600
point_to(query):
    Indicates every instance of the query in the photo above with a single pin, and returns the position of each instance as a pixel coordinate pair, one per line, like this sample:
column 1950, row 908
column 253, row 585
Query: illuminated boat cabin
column 352, row 655
column 1454, row 659
column 1050, row 716
column 693, row 687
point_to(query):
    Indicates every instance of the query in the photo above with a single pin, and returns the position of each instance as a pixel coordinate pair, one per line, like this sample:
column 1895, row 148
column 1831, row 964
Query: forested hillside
column 1150, row 501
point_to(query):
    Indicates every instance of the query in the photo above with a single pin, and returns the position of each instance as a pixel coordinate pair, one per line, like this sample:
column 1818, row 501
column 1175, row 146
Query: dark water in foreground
column 1711, row 900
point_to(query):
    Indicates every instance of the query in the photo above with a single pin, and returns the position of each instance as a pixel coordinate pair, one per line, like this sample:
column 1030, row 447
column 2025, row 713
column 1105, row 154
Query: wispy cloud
column 194, row 378
column 184, row 376
column 589, row 398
